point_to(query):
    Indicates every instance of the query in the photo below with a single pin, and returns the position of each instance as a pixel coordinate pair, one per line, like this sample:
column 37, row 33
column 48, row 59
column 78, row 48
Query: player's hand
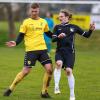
column 62, row 35
column 11, row 43
column 92, row 26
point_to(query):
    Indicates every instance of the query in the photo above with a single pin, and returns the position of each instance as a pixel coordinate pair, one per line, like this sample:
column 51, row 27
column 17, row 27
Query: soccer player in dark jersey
column 32, row 31
column 64, row 35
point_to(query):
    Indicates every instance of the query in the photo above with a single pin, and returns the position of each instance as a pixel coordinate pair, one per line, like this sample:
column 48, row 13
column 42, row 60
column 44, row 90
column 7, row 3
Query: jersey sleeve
column 19, row 39
column 79, row 30
column 46, row 29
column 23, row 27
column 86, row 34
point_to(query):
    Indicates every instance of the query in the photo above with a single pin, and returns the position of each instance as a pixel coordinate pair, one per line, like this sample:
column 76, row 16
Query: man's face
column 35, row 12
column 63, row 18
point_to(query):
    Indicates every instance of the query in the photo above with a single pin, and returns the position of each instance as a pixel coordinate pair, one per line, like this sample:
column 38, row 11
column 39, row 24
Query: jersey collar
column 67, row 23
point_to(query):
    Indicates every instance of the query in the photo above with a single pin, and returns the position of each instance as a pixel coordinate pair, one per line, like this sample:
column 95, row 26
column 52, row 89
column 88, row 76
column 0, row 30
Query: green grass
column 86, row 71
column 4, row 32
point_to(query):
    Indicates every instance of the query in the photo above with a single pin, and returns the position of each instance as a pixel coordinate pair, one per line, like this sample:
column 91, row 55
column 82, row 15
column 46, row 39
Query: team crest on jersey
column 72, row 29
column 41, row 24
column 29, row 62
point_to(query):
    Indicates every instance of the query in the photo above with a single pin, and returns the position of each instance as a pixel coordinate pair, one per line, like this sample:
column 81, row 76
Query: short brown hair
column 66, row 12
column 35, row 5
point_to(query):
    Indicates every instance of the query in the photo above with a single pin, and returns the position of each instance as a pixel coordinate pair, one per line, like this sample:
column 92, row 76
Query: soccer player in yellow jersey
column 32, row 31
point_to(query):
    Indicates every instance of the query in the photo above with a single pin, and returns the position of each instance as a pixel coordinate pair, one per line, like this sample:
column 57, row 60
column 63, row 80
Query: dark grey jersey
column 70, row 30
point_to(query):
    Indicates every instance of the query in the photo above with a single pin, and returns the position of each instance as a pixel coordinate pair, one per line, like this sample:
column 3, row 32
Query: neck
column 64, row 22
column 35, row 18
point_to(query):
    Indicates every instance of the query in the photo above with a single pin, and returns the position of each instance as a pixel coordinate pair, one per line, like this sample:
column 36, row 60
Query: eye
column 32, row 11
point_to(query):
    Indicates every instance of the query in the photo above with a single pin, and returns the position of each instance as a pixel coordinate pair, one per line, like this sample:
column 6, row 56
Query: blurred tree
column 23, row 11
column 10, row 19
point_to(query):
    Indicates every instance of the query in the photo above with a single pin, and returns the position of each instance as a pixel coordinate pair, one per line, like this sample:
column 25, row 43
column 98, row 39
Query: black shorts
column 32, row 56
column 67, row 57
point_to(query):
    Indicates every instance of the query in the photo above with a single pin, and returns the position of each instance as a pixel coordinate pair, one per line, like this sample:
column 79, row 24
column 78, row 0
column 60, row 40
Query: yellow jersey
column 34, row 33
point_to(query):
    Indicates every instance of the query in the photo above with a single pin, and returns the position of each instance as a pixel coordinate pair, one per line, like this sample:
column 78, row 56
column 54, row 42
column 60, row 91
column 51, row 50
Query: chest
column 68, row 30
column 35, row 26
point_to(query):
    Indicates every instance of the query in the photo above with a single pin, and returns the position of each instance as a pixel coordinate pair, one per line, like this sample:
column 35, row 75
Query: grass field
column 87, row 72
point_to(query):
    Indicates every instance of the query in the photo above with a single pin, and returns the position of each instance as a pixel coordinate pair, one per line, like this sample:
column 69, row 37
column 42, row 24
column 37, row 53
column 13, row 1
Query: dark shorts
column 32, row 56
column 67, row 57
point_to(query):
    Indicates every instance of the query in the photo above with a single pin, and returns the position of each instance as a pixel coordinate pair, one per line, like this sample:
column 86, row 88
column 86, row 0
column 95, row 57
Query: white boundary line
column 50, row 2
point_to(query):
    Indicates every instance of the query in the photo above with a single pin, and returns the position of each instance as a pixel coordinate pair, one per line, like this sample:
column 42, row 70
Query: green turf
column 86, row 71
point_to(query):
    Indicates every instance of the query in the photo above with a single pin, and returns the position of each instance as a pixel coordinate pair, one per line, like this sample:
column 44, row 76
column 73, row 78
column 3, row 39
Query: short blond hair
column 66, row 12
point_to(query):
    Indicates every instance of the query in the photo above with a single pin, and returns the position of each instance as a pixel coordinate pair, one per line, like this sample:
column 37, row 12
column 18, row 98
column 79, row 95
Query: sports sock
column 57, row 75
column 71, row 82
column 17, row 79
column 46, row 82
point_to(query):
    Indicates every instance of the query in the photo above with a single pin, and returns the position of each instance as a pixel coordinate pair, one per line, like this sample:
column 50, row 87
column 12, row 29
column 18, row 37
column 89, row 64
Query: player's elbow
column 87, row 36
column 49, row 34
column 54, row 38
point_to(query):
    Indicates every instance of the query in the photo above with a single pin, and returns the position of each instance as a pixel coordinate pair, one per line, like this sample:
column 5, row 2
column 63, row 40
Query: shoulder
column 25, row 21
column 74, row 26
column 43, row 20
column 56, row 26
